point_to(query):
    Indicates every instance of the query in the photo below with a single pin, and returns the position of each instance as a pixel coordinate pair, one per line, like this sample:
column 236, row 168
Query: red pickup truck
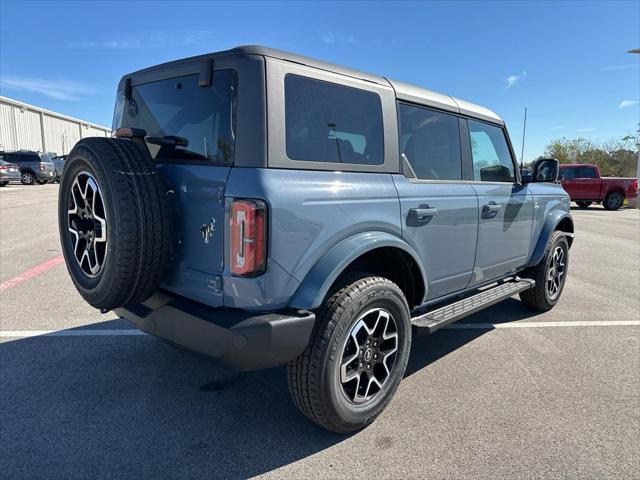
column 585, row 186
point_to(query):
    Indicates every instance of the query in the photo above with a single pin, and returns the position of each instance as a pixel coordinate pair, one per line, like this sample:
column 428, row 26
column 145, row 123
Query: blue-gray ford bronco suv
column 265, row 208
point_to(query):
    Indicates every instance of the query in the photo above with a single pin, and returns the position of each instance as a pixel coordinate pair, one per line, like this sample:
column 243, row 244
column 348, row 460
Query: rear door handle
column 423, row 215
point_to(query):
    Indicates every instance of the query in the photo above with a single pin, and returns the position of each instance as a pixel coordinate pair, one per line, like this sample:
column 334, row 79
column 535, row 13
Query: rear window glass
column 183, row 121
column 327, row 122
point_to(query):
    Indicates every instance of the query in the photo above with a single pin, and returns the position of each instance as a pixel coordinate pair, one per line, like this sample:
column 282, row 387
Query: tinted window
column 568, row 173
column 45, row 157
column 327, row 122
column 204, row 117
column 490, row 151
column 430, row 142
column 587, row 172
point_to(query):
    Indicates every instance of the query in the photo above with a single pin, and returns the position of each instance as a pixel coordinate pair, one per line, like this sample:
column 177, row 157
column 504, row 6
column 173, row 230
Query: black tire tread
column 303, row 373
column 535, row 298
column 143, row 235
column 607, row 201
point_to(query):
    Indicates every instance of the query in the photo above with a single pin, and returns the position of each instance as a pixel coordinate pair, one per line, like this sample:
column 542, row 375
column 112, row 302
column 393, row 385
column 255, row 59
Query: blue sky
column 566, row 62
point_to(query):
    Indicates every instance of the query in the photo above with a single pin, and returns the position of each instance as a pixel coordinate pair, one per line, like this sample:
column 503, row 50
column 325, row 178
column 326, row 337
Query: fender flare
column 551, row 224
column 319, row 279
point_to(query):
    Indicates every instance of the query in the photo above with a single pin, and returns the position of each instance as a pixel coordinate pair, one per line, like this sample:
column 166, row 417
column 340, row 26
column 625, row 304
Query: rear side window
column 490, row 152
column 587, row 172
column 202, row 118
column 327, row 122
column 430, row 142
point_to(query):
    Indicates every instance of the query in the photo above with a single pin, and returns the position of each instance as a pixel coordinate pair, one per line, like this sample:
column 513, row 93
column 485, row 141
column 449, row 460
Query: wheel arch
column 378, row 253
column 557, row 220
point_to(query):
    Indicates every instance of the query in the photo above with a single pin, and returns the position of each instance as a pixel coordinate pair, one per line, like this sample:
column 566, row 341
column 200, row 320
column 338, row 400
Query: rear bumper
column 239, row 340
column 10, row 177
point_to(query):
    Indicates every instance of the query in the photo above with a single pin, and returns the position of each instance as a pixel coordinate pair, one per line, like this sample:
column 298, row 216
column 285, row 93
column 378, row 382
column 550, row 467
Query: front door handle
column 423, row 215
column 491, row 209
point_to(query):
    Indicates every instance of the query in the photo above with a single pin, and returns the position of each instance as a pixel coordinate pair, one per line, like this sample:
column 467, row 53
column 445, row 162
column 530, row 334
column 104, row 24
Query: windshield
column 202, row 118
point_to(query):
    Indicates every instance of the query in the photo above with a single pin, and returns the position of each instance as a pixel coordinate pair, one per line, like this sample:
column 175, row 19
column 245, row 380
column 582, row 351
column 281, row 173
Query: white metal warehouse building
column 26, row 127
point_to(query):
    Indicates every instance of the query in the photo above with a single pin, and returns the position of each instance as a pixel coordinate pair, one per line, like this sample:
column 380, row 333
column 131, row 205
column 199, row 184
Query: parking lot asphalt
column 554, row 397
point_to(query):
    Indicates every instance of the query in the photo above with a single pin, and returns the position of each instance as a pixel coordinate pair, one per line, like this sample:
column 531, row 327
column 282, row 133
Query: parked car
column 312, row 217
column 585, row 186
column 58, row 162
column 8, row 172
column 34, row 166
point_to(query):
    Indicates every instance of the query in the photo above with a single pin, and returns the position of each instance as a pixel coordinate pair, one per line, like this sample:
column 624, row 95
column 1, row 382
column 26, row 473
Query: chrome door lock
column 207, row 230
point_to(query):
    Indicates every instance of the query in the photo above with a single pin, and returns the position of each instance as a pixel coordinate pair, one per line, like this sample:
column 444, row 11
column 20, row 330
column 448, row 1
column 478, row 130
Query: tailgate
column 198, row 214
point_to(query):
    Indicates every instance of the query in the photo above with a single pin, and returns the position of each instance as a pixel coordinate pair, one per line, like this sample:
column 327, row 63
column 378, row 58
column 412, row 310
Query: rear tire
column 614, row 201
column 584, row 204
column 330, row 382
column 4, row 184
column 114, row 222
column 27, row 178
column 547, row 291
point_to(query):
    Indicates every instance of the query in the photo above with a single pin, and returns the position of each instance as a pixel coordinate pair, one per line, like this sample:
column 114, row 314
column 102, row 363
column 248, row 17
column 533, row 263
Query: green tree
column 617, row 157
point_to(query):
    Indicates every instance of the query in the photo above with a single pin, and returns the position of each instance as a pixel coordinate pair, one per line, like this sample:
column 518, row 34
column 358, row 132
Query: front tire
column 4, row 184
column 550, row 275
column 584, row 204
column 27, row 178
column 614, row 201
column 356, row 357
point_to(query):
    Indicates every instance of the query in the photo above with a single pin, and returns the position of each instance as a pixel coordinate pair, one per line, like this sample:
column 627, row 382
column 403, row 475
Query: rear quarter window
column 329, row 122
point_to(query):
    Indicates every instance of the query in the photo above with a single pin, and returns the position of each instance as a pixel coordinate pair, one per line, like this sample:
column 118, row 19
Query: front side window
column 430, row 141
column 587, row 172
column 568, row 173
column 327, row 122
column 490, row 152
column 183, row 121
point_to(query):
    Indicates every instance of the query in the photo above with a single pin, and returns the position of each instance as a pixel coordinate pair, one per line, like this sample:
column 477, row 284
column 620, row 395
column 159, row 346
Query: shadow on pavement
column 132, row 406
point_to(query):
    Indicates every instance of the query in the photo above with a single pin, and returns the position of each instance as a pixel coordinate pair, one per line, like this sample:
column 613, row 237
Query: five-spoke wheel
column 555, row 275
column 87, row 224
column 368, row 355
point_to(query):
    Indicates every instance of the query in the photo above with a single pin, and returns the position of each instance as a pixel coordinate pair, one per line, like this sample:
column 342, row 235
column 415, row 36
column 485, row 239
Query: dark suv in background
column 58, row 162
column 34, row 166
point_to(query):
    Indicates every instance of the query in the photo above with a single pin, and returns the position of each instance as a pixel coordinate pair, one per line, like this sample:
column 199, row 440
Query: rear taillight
column 248, row 237
column 42, row 167
column 3, row 167
column 635, row 184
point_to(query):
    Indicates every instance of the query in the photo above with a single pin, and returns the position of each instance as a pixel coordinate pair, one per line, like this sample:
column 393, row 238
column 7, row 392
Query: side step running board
column 431, row 321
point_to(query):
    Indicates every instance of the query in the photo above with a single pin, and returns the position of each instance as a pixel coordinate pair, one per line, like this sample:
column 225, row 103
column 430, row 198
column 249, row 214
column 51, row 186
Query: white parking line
column 70, row 333
column 455, row 326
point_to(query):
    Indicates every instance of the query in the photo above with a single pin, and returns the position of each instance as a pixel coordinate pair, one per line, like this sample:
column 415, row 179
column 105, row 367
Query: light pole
column 637, row 201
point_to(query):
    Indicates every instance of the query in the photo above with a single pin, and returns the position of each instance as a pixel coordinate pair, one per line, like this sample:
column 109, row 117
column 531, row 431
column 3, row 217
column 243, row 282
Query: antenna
column 524, row 131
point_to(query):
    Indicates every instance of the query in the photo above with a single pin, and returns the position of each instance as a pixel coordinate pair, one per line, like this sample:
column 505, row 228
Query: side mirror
column 545, row 170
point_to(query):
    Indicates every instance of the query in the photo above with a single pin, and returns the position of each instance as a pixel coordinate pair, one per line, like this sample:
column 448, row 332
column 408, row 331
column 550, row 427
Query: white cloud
column 585, row 130
column 147, row 40
column 59, row 89
column 613, row 68
column 331, row 38
column 557, row 127
column 511, row 80
column 628, row 103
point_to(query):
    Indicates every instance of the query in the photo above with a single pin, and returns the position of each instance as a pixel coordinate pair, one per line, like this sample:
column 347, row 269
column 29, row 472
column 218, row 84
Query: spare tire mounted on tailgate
column 114, row 222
